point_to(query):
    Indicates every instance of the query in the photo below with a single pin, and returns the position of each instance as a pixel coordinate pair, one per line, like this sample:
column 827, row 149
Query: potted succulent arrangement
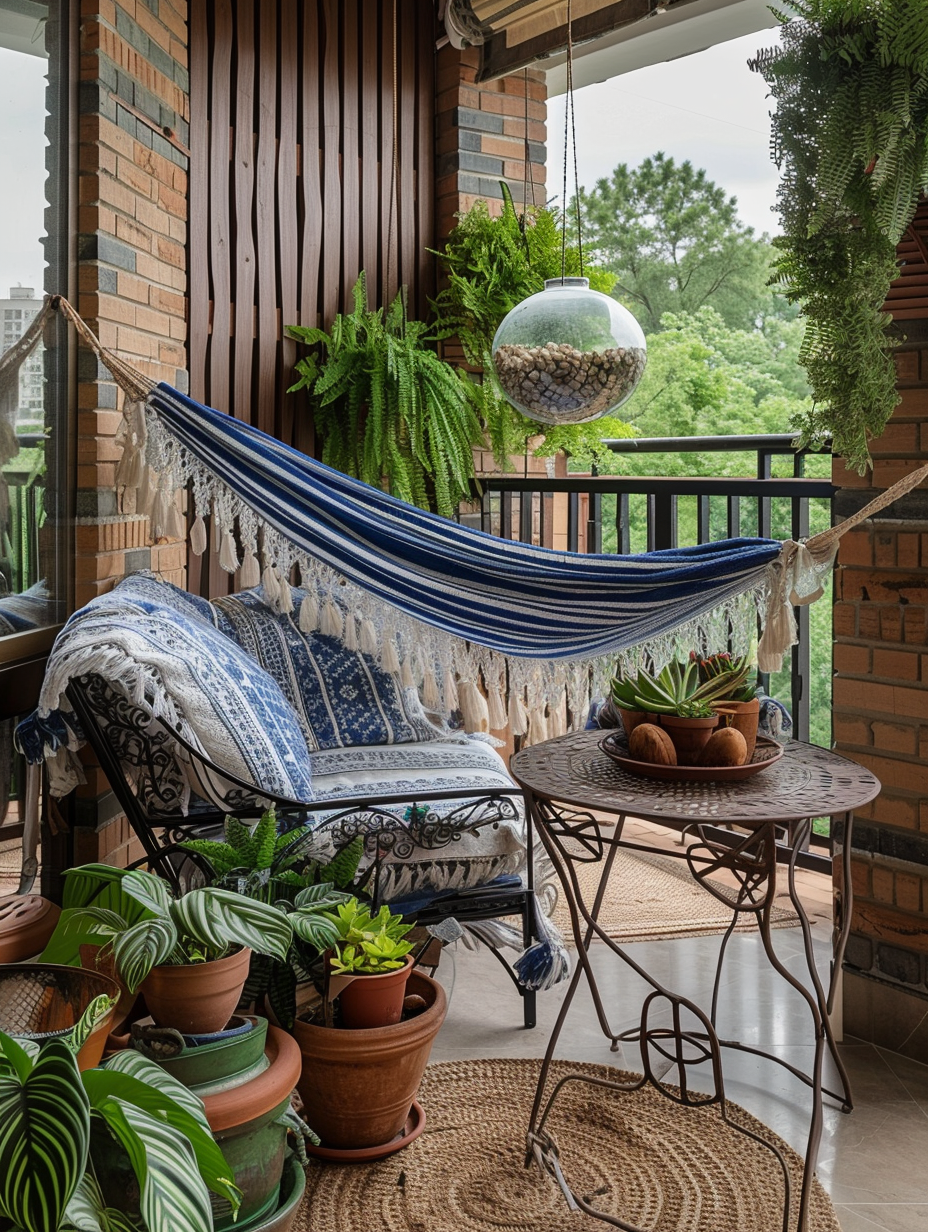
column 687, row 700
column 73, row 1144
column 360, row 1075
column 739, row 708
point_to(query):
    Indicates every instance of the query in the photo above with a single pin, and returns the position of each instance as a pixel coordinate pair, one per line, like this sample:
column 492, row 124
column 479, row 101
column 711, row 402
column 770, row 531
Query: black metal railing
column 622, row 514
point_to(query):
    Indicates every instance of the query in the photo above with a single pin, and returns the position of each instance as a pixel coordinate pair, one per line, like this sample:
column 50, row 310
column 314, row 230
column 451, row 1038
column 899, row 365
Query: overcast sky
column 708, row 108
column 22, row 170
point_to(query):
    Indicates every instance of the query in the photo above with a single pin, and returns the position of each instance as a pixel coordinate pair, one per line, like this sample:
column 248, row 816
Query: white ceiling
column 679, row 32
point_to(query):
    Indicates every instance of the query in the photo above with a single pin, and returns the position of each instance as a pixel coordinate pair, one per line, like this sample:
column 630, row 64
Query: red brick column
column 481, row 133
column 132, row 281
column 881, row 721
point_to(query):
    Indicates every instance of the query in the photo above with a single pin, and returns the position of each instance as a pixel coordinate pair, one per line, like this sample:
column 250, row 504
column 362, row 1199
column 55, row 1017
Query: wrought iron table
column 567, row 782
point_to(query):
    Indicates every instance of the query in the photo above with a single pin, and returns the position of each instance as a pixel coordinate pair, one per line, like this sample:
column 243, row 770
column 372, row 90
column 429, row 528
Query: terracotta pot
column 93, row 959
column 199, row 998
column 634, row 718
column 43, row 1001
column 357, row 1086
column 375, row 1000
column 27, row 921
column 689, row 736
column 743, row 717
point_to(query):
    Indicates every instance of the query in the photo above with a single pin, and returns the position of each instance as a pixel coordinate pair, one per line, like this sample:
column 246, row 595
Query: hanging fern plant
column 388, row 407
column 850, row 134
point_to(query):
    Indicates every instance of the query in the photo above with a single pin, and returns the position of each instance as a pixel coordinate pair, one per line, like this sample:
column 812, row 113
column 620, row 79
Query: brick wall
column 132, row 223
column 881, row 721
column 481, row 132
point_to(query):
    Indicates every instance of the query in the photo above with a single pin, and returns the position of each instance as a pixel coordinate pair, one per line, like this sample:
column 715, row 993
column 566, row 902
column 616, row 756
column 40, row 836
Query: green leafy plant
column 262, row 864
column 729, row 670
column 366, row 944
column 388, row 407
column 678, row 689
column 492, row 263
column 850, row 133
column 201, row 926
column 59, row 1130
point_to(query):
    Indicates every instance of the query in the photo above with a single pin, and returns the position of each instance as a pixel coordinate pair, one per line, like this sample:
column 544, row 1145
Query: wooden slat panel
column 219, row 222
column 243, row 177
column 292, row 138
column 287, row 226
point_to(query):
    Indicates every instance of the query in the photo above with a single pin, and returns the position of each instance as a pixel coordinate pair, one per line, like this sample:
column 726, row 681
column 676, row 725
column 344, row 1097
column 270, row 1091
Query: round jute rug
column 639, row 1156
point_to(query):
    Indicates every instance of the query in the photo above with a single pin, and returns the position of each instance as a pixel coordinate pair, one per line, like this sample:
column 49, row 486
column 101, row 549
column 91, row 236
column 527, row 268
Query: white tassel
column 146, row 494
column 309, row 613
column 496, row 709
column 198, row 536
column 351, row 633
column 555, row 723
column 271, row 586
column 516, row 715
column 250, row 575
column 451, row 690
column 228, row 556
column 285, row 602
column 473, row 707
column 174, row 523
column 537, row 727
column 390, row 660
column 407, row 679
column 129, row 467
column 331, row 620
column 159, row 514
column 431, row 698
column 368, row 642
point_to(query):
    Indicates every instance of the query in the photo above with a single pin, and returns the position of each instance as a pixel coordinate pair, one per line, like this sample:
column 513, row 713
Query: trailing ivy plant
column 388, row 407
column 850, row 134
column 492, row 263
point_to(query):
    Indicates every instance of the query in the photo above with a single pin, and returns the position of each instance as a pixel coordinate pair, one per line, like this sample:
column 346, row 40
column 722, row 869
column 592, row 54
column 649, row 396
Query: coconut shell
column 725, row 747
column 651, row 743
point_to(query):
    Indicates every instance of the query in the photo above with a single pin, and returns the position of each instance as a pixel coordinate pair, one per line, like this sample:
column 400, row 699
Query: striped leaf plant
column 201, row 926
column 60, row 1131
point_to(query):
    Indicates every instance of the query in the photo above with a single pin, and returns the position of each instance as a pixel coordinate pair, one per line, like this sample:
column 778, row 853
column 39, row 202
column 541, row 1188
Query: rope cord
column 570, row 135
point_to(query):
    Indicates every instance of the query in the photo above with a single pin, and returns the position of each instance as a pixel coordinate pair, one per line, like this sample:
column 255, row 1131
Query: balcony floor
column 871, row 1162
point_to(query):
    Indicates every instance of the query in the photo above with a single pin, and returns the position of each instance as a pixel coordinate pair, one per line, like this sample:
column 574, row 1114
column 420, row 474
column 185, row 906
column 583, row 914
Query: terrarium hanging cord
column 570, row 132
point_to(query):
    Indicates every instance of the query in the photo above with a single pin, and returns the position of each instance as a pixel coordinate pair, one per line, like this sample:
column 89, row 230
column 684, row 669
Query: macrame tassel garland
column 496, row 709
column 473, row 707
column 368, row 641
column 285, row 600
column 309, row 613
column 407, row 679
column 250, row 574
column 431, row 698
column 198, row 541
column 450, row 690
column 271, row 585
column 517, row 720
column 228, row 556
column 390, row 660
column 331, row 625
column 351, row 633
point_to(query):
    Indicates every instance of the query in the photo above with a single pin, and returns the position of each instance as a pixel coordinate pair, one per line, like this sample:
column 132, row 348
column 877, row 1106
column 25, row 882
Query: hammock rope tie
column 530, row 632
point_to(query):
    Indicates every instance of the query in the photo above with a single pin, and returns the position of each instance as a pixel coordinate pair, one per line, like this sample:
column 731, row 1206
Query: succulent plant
column 688, row 689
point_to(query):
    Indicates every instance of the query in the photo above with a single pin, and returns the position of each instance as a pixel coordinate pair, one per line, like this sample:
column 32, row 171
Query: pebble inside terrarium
column 568, row 354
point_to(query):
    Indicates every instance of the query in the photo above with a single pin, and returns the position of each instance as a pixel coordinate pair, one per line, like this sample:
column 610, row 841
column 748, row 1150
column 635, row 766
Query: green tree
column 676, row 244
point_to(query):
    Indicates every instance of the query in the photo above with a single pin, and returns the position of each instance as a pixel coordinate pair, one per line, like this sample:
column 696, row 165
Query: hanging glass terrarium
column 568, row 354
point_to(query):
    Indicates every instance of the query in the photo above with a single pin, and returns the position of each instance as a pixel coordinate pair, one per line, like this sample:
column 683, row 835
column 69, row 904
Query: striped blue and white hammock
column 448, row 606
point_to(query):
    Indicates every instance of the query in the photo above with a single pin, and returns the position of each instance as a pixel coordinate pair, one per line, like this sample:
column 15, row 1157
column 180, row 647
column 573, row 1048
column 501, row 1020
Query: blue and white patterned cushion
column 343, row 698
column 192, row 678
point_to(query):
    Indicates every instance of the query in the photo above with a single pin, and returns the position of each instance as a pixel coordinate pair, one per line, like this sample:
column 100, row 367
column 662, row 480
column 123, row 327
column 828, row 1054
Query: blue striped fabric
column 520, row 600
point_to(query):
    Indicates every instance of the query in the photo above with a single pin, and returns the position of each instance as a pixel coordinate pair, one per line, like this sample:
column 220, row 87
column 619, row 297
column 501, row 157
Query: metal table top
column 807, row 781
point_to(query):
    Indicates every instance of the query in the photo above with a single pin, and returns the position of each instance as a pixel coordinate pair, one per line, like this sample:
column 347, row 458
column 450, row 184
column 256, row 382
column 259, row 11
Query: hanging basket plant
column 387, row 407
column 850, row 135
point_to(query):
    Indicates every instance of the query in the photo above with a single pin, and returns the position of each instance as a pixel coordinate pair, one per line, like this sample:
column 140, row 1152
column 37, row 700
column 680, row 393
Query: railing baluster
column 662, row 521
column 573, row 522
column 594, row 523
column 734, row 517
column 622, row 529
column 505, row 516
column 526, row 518
column 703, row 534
